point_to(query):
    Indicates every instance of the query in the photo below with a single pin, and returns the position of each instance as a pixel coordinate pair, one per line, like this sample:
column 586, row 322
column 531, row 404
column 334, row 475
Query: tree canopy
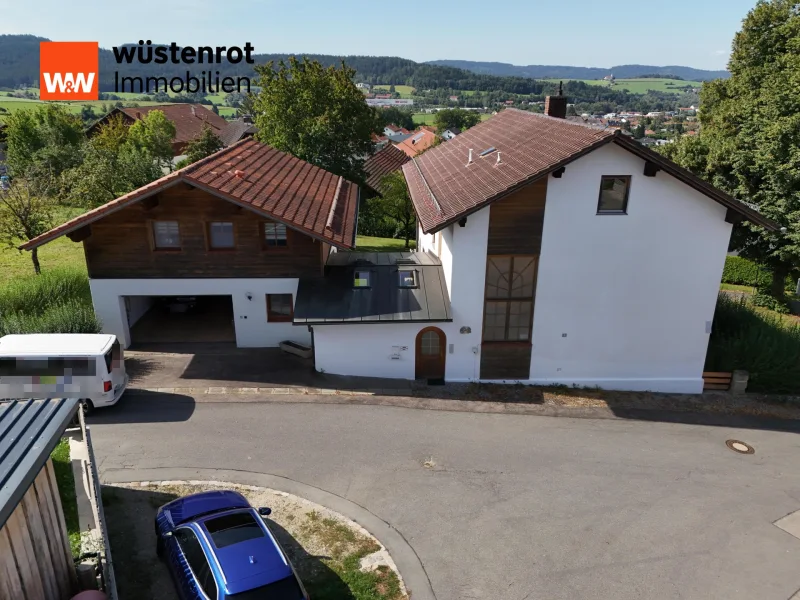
column 749, row 144
column 205, row 144
column 316, row 114
column 450, row 118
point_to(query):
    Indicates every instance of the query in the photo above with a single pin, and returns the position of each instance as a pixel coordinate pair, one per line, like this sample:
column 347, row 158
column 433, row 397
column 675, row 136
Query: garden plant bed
column 325, row 548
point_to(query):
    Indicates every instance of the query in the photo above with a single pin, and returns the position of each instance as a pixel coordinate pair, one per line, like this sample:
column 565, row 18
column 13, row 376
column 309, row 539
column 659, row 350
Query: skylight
column 488, row 151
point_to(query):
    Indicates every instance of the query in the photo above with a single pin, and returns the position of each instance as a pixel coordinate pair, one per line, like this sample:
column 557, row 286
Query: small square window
column 614, row 195
column 279, row 308
column 361, row 279
column 166, row 235
column 407, row 279
column 275, row 235
column 220, row 235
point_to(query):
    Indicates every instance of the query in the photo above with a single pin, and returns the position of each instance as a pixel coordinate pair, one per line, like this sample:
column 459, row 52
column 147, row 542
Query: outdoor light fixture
column 249, row 296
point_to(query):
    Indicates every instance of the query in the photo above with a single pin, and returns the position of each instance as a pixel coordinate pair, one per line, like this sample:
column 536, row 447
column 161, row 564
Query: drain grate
column 740, row 447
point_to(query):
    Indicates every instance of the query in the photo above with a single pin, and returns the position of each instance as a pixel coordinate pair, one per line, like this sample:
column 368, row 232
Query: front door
column 430, row 353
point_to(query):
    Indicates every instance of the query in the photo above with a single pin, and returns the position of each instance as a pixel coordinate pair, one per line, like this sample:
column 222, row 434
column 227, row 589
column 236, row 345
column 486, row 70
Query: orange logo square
column 68, row 70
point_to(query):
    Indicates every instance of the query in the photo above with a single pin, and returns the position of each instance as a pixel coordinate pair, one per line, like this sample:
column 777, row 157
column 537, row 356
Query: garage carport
column 171, row 319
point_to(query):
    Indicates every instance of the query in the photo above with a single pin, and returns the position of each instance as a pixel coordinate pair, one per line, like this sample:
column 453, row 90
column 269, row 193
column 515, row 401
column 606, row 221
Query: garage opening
column 171, row 319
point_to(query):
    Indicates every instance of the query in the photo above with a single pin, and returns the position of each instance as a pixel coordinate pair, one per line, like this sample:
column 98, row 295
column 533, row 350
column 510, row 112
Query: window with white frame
column 166, row 235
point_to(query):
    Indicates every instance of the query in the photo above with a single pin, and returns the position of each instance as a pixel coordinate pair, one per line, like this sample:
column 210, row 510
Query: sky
column 695, row 33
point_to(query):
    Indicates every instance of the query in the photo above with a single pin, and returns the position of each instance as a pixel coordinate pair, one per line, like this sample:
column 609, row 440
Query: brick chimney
column 556, row 106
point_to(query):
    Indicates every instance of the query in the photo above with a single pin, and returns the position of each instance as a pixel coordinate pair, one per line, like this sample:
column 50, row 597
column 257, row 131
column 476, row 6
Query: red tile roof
column 269, row 182
column 188, row 119
column 388, row 160
column 420, row 140
column 444, row 189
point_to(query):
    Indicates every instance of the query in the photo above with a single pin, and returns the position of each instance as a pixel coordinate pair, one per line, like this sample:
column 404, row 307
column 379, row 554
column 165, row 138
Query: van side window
column 47, row 367
column 109, row 362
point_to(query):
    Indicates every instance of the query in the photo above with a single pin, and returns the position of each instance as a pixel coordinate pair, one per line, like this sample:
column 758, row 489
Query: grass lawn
column 405, row 91
column 59, row 253
column 365, row 243
column 66, row 489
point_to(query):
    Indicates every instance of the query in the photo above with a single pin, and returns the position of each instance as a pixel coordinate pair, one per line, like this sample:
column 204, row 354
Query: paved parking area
column 506, row 506
column 204, row 366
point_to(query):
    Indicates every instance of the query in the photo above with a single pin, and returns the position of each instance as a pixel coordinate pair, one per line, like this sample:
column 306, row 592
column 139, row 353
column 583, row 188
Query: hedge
column 741, row 271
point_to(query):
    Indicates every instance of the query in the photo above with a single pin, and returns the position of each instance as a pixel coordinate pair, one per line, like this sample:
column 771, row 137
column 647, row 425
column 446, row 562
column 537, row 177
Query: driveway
column 513, row 507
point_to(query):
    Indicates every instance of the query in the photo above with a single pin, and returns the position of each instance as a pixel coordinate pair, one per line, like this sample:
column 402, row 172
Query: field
column 428, row 118
column 405, row 91
column 15, row 104
column 640, row 86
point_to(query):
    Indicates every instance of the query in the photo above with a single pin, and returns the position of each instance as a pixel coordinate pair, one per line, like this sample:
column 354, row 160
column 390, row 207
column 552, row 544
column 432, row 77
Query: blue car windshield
column 283, row 589
column 232, row 529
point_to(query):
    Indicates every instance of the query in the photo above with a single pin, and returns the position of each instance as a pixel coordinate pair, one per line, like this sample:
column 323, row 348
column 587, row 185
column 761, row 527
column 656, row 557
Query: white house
column 363, row 86
column 570, row 255
column 449, row 134
column 550, row 252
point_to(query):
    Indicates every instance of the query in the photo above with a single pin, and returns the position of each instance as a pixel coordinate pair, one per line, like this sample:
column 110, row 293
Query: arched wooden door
column 430, row 353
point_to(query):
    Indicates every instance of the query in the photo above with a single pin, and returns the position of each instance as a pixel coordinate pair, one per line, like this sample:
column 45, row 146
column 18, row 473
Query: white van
column 87, row 366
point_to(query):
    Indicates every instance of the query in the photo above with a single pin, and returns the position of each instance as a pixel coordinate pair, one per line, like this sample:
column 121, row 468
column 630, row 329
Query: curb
column 405, row 558
column 401, row 399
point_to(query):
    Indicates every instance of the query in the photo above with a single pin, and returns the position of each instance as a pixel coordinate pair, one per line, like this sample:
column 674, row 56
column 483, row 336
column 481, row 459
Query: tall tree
column 450, row 118
column 27, row 210
column 749, row 144
column 154, row 134
column 395, row 203
column 203, row 145
column 316, row 114
column 47, row 141
column 397, row 116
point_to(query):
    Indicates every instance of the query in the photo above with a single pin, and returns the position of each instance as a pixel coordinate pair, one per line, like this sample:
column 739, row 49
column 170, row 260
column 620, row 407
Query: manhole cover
column 740, row 447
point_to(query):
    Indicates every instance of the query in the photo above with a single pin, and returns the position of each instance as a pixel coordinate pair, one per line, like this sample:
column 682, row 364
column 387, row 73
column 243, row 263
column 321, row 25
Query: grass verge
column 62, row 466
column 731, row 287
column 366, row 243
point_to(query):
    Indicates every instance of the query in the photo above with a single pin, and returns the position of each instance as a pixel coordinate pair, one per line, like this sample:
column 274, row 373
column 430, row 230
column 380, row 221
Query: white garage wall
column 365, row 350
column 623, row 301
column 136, row 307
column 250, row 316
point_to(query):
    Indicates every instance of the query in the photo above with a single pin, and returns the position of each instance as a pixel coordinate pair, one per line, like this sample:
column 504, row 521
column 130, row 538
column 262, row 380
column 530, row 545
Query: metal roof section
column 29, row 430
column 334, row 299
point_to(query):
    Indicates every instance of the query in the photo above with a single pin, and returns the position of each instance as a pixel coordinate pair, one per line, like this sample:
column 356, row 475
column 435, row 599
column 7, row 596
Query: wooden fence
column 35, row 556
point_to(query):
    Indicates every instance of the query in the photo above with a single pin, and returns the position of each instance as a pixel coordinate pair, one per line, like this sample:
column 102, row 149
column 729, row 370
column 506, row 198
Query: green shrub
column 741, row 271
column 765, row 345
column 57, row 301
column 770, row 302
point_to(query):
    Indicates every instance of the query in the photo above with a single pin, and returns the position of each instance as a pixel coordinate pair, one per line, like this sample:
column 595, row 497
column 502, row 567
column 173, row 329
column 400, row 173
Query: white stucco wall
column 624, row 301
column 369, row 346
column 250, row 316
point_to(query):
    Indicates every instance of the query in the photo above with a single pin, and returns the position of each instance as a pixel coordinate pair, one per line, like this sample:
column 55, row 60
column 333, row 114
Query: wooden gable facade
column 122, row 244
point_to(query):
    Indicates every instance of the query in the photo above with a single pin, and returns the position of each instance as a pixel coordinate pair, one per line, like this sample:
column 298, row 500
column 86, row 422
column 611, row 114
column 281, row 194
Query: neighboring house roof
column 444, row 189
column 388, row 160
column 333, row 299
column 454, row 130
column 258, row 177
column 187, row 118
column 418, row 143
column 395, row 128
column 235, row 131
column 29, row 431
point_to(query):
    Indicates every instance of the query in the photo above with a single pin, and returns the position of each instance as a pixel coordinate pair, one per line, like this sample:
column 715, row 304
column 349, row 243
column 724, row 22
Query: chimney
column 556, row 106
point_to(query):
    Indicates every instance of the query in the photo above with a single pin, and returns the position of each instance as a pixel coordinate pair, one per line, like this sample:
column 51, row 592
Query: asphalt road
column 515, row 507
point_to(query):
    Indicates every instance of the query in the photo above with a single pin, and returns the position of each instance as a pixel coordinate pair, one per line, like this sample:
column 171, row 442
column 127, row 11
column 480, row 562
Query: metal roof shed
column 34, row 547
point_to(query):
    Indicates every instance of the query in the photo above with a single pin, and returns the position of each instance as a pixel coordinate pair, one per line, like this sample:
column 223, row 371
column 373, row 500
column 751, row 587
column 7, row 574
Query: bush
column 57, row 301
column 741, row 271
column 767, row 301
column 765, row 345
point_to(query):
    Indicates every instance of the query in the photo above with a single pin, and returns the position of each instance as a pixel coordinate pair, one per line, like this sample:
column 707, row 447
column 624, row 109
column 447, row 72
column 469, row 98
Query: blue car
column 217, row 546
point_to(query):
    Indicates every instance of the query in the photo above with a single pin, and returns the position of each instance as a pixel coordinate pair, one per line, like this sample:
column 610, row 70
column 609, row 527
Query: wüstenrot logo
column 68, row 70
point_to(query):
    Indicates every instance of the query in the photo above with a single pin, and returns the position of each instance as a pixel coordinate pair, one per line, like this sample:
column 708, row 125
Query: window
column 361, row 279
column 220, row 235
column 166, row 235
column 275, row 235
column 614, row 195
column 232, row 529
column 429, row 344
column 510, row 284
column 197, row 561
column 407, row 279
column 279, row 308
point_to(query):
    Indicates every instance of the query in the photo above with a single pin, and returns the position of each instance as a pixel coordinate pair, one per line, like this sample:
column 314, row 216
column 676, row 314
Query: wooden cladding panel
column 503, row 360
column 35, row 558
column 515, row 222
column 121, row 244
